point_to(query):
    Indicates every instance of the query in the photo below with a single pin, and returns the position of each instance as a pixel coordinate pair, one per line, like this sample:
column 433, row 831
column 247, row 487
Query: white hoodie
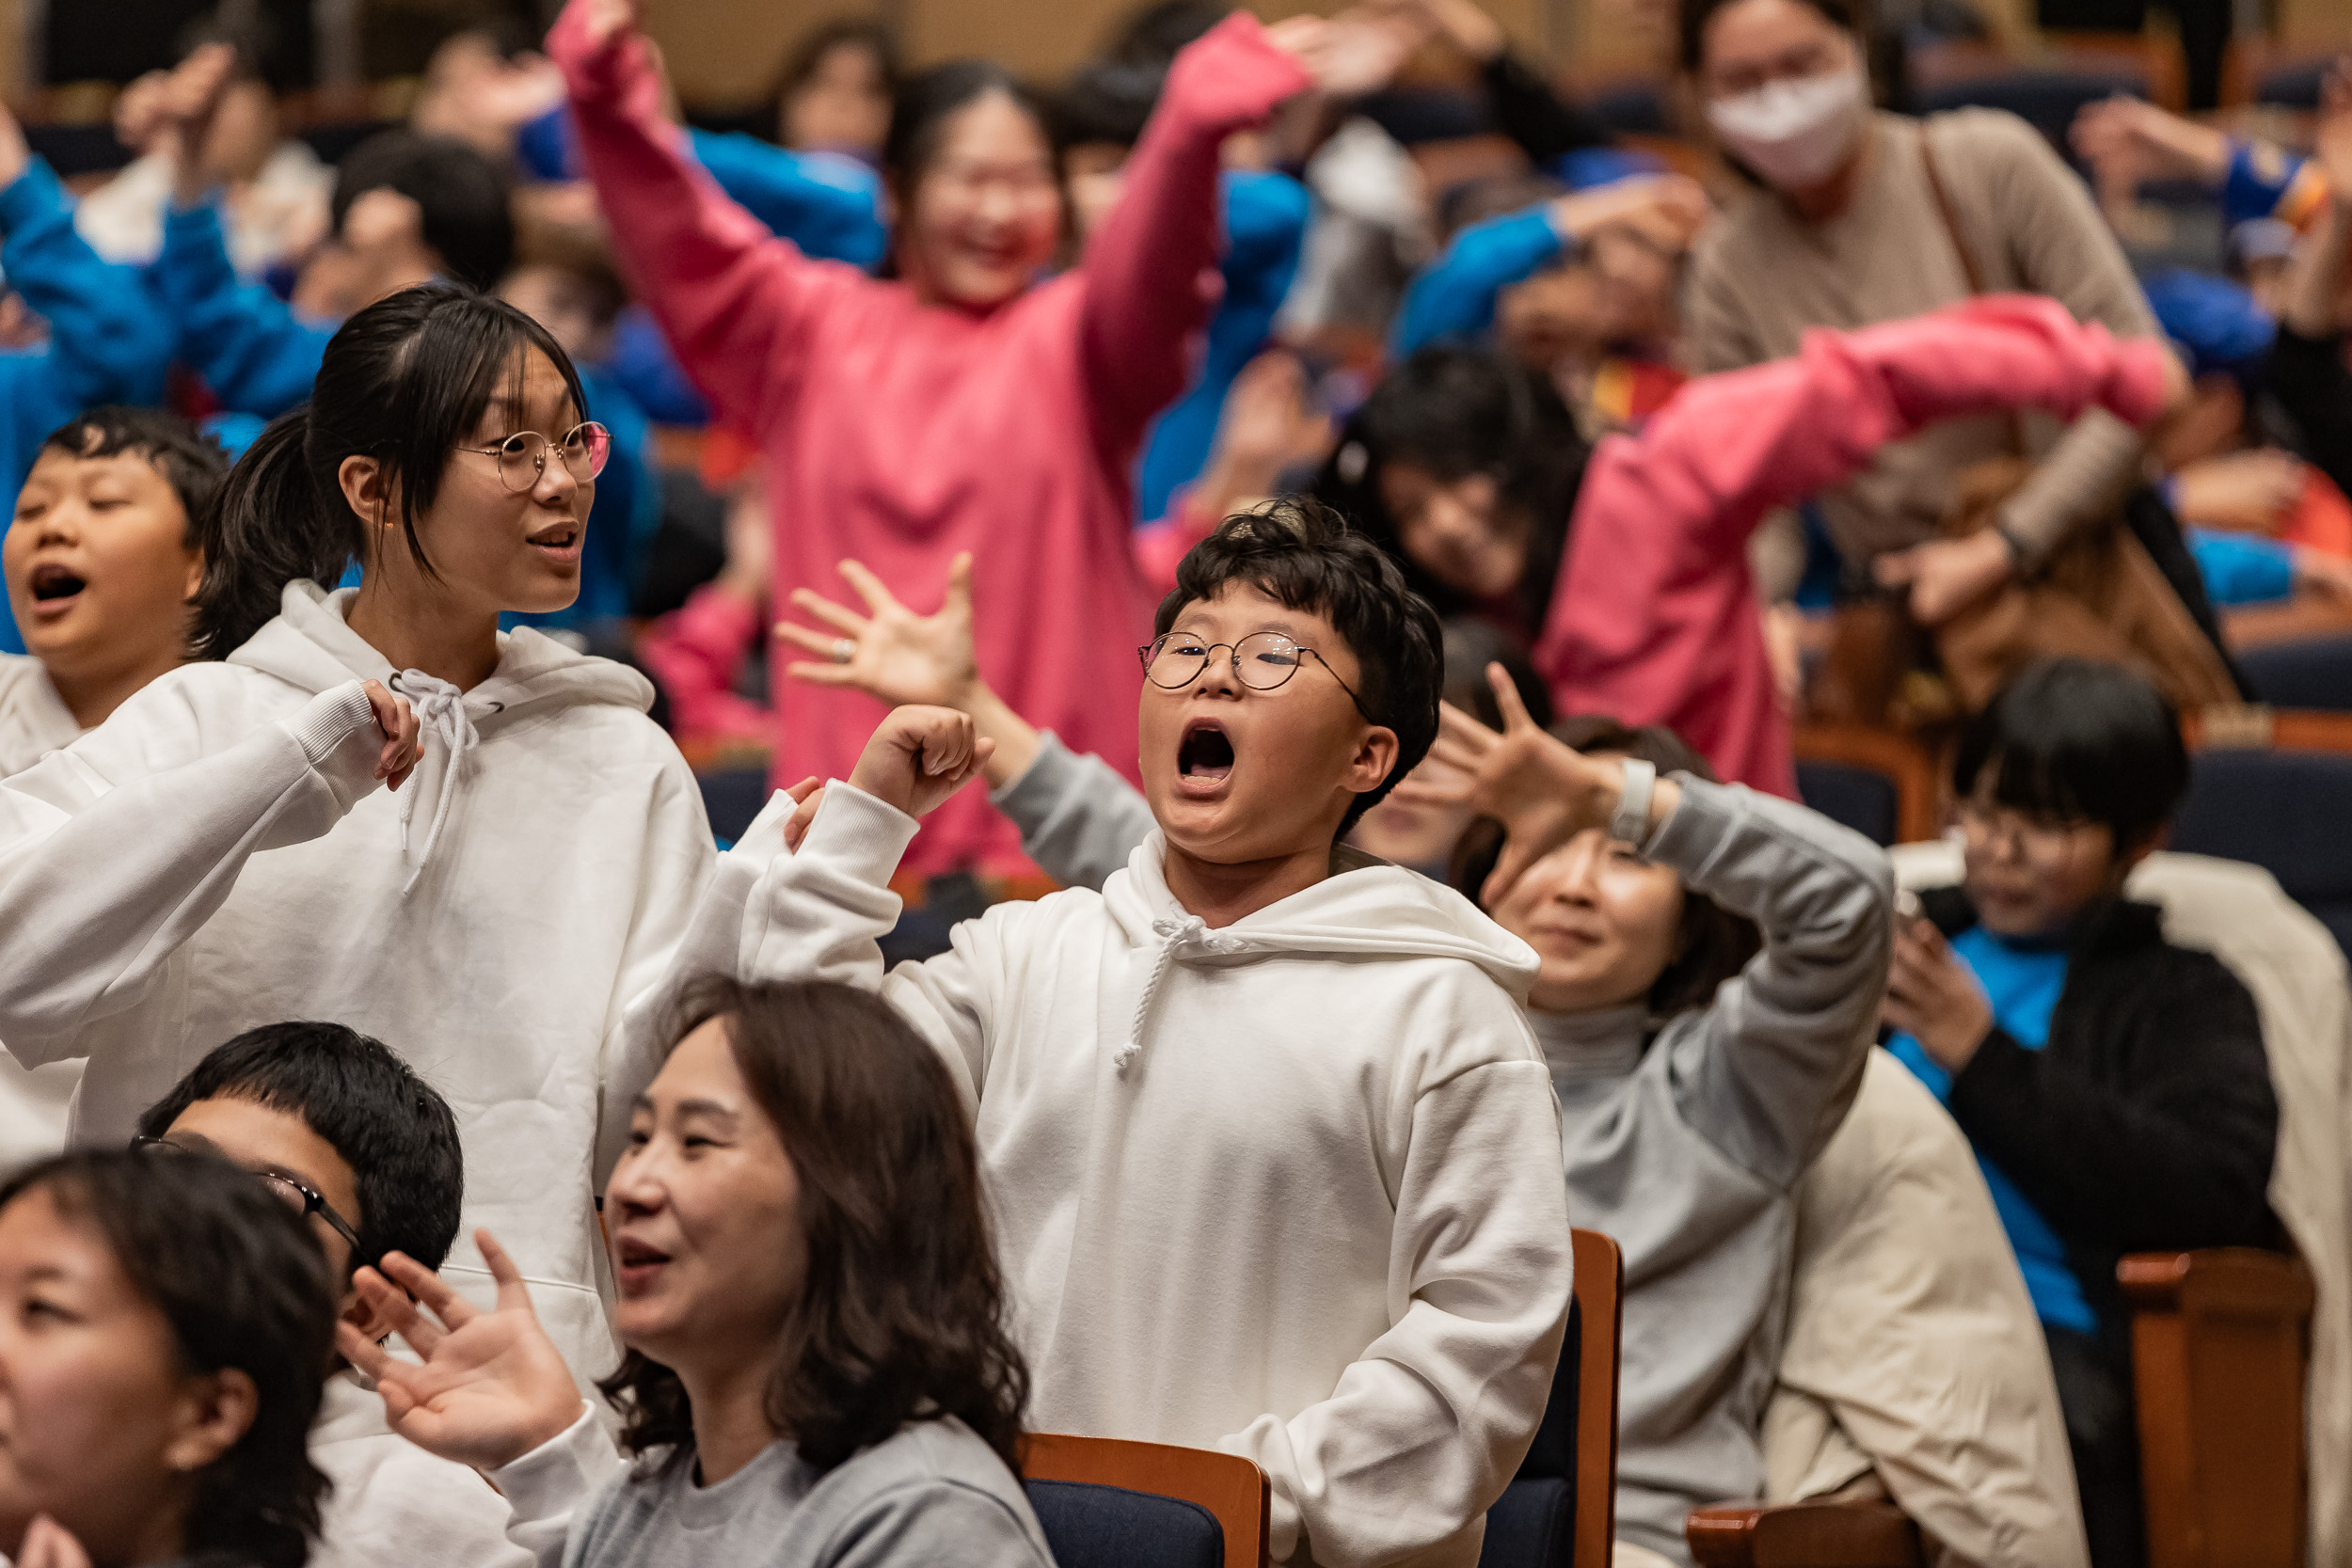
column 217, row 855
column 1289, row 1188
column 393, row 1505
column 34, row 719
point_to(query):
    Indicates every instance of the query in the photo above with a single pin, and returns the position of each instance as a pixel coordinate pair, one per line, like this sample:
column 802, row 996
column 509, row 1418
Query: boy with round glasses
column 2115, row 1086
column 1275, row 1163
column 344, row 1130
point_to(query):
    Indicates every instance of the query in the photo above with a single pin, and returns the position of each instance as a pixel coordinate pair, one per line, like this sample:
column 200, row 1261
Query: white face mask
column 1793, row 133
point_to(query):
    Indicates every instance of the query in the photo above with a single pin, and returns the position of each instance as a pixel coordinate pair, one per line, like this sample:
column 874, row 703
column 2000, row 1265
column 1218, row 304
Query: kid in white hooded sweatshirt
column 217, row 855
column 102, row 561
column 1277, row 1172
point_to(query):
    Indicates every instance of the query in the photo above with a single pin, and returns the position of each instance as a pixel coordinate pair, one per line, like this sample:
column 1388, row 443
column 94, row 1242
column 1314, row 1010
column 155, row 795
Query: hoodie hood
column 311, row 646
column 1366, row 908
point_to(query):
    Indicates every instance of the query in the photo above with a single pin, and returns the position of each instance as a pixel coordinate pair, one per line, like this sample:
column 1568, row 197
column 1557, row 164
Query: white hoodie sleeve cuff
column 554, row 1483
column 338, row 738
column 858, row 834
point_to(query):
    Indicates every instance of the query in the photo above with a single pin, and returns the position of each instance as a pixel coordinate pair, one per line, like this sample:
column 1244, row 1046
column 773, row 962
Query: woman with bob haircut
column 218, row 856
column 818, row 1370
column 1705, row 1000
column 162, row 1333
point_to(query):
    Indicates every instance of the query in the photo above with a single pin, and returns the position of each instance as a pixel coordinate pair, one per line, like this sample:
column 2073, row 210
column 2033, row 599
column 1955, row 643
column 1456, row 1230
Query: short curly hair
column 1299, row 551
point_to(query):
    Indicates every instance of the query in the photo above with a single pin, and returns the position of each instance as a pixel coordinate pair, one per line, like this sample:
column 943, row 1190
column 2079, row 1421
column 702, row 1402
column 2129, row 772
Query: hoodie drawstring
column 440, row 710
column 1187, row 938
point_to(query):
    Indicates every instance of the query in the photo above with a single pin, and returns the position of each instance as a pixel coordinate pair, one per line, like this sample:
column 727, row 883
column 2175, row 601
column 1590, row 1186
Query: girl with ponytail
column 217, row 855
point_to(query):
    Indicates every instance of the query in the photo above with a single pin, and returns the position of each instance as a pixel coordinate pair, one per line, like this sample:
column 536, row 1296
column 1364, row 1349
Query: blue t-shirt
column 2023, row 984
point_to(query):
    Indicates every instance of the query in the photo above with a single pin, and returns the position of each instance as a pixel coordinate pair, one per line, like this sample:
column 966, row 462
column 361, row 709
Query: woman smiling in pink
column 960, row 403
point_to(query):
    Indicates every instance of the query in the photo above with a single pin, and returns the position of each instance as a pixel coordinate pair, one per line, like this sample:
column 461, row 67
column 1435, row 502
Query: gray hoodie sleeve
column 1765, row 1071
column 1079, row 821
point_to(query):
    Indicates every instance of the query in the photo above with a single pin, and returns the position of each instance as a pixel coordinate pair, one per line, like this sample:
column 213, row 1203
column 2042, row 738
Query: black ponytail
column 403, row 381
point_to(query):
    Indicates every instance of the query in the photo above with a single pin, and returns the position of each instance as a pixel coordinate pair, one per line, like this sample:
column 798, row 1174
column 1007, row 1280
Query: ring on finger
column 844, row 650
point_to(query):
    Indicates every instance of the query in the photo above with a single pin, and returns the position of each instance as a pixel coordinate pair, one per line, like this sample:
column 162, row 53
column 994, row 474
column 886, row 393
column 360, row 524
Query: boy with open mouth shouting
column 1274, row 1159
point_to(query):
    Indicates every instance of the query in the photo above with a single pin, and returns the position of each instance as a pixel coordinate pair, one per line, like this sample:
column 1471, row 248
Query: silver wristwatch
column 1630, row 825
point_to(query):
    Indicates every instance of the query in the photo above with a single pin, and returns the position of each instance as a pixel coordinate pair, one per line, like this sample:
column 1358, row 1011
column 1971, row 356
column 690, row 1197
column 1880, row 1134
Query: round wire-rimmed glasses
column 300, row 1196
column 1263, row 662
column 523, row 456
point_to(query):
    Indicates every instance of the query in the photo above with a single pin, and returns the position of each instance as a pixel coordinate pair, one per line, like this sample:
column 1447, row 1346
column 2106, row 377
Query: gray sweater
column 1685, row 1148
column 933, row 1494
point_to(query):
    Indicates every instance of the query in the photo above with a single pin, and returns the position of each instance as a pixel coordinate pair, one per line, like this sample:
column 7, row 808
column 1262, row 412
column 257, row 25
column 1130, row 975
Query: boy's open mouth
column 54, row 587
column 1205, row 753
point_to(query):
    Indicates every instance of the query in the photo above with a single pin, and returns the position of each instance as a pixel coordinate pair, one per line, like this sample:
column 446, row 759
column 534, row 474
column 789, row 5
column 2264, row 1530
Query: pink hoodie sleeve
column 1655, row 619
column 734, row 301
column 1150, row 271
column 694, row 652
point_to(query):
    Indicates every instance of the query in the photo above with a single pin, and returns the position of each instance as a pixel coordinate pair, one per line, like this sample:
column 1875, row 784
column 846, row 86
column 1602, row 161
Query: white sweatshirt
column 394, row 1505
column 1290, row 1188
column 34, row 719
column 217, row 855
column 34, row 722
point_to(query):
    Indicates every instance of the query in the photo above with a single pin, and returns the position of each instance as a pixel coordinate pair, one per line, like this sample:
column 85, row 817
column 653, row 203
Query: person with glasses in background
column 2115, row 1086
column 219, row 855
column 344, row 1133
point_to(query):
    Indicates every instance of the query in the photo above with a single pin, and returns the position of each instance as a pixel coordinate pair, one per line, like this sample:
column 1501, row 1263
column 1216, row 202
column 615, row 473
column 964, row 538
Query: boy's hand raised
column 493, row 1387
column 920, row 756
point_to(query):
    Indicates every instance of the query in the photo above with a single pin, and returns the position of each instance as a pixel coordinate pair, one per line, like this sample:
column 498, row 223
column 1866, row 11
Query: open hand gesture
column 920, row 756
column 893, row 654
column 1543, row 791
column 493, row 1387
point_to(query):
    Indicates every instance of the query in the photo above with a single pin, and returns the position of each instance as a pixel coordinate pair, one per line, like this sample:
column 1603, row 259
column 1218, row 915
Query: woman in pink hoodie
column 959, row 405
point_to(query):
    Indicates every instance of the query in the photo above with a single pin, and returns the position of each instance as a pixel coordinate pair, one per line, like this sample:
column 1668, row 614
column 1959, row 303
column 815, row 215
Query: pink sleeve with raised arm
column 736, row 302
column 1150, row 271
column 1654, row 620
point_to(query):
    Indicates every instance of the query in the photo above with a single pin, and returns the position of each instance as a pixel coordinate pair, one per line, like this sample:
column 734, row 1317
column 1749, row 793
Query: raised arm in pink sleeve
column 1655, row 619
column 1150, row 271
column 734, row 301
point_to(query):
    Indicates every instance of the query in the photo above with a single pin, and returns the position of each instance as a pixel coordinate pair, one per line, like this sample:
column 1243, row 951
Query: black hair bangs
column 2079, row 740
column 191, row 463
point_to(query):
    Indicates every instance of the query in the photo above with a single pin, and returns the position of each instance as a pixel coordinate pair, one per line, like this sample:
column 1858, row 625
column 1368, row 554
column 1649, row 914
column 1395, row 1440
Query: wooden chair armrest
column 1814, row 1535
column 2238, row 1282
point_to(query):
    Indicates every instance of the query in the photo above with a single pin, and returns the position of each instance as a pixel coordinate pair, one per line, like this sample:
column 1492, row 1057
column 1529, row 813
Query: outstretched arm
column 1454, row 296
column 1655, row 618
column 734, row 302
column 108, row 862
column 107, row 343
column 1143, row 269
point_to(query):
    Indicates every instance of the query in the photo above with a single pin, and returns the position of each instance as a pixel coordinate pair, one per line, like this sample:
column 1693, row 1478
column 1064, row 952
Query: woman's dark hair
column 1458, row 412
column 404, row 382
column 464, row 198
column 191, row 463
column 1107, row 101
column 1155, row 34
column 855, row 32
column 2074, row 737
column 1711, row 944
column 243, row 1284
column 924, row 103
column 1301, row 553
column 389, row 1126
column 901, row 1314
column 1469, row 644
column 1847, row 16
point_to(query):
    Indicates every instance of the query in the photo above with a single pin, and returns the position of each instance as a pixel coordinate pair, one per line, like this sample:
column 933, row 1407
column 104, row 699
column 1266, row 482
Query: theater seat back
column 2284, row 811
column 1091, row 1525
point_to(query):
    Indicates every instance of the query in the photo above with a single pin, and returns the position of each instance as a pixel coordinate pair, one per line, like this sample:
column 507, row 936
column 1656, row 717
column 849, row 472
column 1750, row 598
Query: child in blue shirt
column 2115, row 1086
